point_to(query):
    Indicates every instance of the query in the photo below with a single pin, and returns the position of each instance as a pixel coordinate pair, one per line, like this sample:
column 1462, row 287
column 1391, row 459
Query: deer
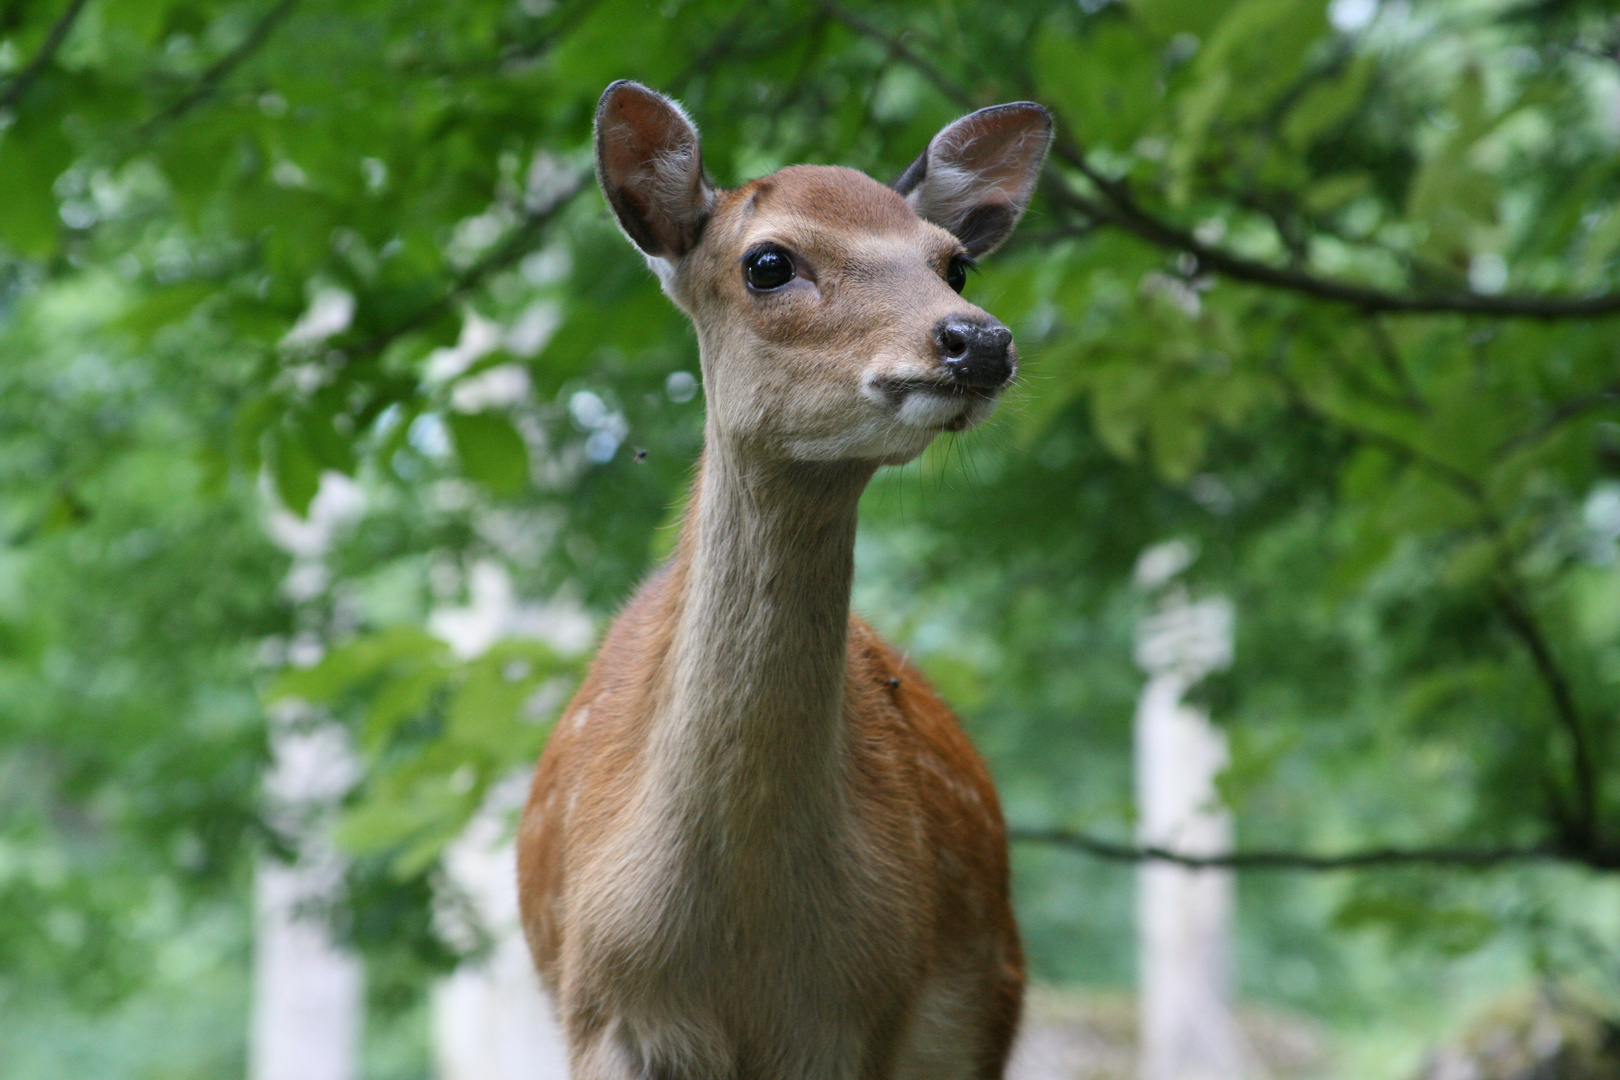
column 757, row 845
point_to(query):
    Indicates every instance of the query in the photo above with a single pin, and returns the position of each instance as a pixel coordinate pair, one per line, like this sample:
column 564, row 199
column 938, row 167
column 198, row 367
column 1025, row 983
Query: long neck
column 751, row 722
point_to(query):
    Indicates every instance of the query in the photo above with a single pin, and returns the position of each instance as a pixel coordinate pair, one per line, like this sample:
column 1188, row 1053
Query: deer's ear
column 650, row 166
column 977, row 175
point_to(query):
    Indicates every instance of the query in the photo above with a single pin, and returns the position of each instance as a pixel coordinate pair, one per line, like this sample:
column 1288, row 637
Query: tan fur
column 758, row 846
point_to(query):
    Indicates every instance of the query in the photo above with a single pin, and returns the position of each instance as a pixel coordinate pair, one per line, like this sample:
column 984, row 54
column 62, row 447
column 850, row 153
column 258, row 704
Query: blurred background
column 336, row 419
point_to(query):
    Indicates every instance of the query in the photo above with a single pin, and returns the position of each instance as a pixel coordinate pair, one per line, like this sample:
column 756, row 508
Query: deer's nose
column 976, row 352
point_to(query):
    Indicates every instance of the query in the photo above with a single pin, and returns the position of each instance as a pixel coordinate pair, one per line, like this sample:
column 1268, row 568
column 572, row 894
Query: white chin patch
column 925, row 409
column 896, row 431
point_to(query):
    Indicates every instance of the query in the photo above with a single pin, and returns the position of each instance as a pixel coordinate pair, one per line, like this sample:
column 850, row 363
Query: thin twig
column 1560, row 415
column 1442, row 469
column 1390, row 356
column 898, row 47
column 1479, row 858
column 25, row 79
column 210, row 81
column 1524, row 625
column 519, row 242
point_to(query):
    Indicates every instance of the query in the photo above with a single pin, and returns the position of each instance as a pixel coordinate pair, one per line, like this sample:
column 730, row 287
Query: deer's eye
column 956, row 272
column 767, row 268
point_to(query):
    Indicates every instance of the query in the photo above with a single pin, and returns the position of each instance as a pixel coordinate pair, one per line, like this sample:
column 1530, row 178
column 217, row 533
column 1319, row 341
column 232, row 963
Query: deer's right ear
column 650, row 166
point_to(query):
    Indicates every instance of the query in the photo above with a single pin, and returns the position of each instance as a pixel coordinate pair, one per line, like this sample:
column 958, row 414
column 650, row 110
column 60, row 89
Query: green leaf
column 164, row 306
column 1261, row 47
column 1453, row 929
column 296, row 472
column 491, row 451
column 487, row 711
column 619, row 36
column 346, row 666
column 1327, row 102
column 32, row 156
column 252, row 420
column 1474, row 560
column 1177, row 442
column 317, row 428
column 1167, row 18
column 142, row 20
column 403, row 697
column 1333, row 192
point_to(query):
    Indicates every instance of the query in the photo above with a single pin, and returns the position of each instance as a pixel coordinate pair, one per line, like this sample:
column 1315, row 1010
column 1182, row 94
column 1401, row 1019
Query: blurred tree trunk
column 308, row 993
column 490, row 1019
column 1188, row 1027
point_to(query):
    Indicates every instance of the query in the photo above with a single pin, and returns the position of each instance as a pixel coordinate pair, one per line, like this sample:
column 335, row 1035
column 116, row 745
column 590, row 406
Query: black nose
column 976, row 353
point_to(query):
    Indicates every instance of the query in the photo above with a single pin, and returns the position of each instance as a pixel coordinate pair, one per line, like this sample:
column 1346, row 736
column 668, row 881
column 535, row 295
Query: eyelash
column 963, row 263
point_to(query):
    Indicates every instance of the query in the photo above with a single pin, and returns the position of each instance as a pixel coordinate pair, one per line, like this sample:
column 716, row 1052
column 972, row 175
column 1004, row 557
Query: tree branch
column 1126, row 212
column 210, row 81
column 1509, row 601
column 1583, row 825
column 1477, row 858
column 25, row 79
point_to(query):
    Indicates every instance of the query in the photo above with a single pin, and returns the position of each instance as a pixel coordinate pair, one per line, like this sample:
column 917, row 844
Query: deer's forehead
column 825, row 204
column 831, row 192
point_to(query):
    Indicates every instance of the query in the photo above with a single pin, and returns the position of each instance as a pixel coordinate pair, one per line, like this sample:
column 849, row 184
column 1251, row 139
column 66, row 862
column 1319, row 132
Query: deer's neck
column 750, row 727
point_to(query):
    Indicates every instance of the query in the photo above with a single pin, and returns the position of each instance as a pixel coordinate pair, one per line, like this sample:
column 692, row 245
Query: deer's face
column 827, row 304
column 830, row 320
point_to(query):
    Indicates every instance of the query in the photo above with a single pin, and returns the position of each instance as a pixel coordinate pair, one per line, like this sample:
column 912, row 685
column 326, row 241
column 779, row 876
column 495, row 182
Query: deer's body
column 758, row 846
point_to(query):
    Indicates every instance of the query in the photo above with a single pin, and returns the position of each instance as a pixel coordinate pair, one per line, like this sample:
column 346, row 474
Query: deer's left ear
column 977, row 175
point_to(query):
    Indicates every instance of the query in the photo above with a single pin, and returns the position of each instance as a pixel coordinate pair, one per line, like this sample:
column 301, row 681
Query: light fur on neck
column 750, row 731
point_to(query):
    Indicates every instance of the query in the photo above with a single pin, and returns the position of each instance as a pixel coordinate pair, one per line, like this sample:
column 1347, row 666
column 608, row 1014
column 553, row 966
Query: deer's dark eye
column 767, row 268
column 956, row 272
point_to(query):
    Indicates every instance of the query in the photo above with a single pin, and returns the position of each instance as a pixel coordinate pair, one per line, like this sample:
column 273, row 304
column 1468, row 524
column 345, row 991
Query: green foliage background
column 1335, row 299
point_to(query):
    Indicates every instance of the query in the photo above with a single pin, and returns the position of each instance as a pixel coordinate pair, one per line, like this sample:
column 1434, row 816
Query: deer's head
column 827, row 304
